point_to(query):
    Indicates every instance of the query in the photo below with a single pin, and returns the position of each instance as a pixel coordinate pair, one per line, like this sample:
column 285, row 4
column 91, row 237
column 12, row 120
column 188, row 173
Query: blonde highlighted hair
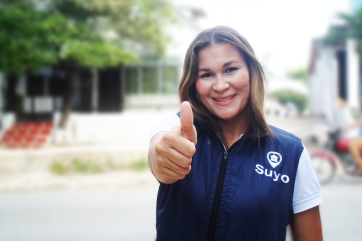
column 187, row 88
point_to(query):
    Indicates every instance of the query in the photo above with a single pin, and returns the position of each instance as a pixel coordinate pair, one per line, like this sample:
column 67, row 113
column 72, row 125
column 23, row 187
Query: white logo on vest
column 274, row 158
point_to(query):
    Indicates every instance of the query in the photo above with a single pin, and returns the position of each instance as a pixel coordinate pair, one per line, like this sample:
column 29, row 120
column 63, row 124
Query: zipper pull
column 225, row 155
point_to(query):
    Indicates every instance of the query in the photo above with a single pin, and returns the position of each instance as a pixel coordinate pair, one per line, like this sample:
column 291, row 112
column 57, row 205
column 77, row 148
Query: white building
column 98, row 101
column 335, row 79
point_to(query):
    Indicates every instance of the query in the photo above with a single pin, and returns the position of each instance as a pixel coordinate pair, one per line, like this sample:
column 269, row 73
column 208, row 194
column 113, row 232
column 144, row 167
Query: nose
column 220, row 84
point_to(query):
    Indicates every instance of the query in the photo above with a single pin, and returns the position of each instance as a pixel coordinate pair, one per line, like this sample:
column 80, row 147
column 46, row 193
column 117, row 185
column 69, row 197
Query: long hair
column 187, row 87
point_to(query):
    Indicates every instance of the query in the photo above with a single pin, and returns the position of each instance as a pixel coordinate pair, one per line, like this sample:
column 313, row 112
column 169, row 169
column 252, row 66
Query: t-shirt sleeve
column 306, row 189
column 165, row 124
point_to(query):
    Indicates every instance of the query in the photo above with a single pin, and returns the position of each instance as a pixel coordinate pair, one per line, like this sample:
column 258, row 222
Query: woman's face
column 223, row 81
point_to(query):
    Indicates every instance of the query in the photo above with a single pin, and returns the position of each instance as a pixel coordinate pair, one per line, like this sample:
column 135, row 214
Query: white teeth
column 224, row 100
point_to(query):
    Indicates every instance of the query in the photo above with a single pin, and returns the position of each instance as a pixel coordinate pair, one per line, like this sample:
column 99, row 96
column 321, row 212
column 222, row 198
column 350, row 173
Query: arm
column 160, row 153
column 352, row 126
column 152, row 152
column 307, row 226
column 170, row 153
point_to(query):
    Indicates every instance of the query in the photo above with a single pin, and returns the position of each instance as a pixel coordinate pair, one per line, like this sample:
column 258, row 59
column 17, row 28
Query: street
column 341, row 210
column 122, row 205
column 129, row 214
column 124, row 214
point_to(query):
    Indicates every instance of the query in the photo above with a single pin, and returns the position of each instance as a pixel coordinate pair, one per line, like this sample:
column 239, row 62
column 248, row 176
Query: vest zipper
column 217, row 198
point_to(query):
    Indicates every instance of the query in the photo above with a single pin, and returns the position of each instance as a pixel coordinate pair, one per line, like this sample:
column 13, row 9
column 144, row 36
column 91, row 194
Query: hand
column 171, row 153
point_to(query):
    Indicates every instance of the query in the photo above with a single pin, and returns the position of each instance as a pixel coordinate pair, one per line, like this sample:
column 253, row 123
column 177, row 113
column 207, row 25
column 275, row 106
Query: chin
column 226, row 116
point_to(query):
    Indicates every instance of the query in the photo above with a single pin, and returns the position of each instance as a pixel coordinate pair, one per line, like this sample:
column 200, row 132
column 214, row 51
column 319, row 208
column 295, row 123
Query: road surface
column 129, row 214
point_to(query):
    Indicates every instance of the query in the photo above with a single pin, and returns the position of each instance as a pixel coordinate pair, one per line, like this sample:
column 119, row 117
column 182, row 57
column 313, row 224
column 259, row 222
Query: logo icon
column 274, row 158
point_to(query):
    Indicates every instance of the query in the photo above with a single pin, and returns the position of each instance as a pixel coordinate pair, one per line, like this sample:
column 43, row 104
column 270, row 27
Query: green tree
column 113, row 31
column 300, row 74
column 29, row 39
column 80, row 33
column 87, row 33
column 285, row 96
column 352, row 30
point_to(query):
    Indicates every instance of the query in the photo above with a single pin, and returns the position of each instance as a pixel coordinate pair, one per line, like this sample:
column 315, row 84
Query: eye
column 228, row 70
column 207, row 75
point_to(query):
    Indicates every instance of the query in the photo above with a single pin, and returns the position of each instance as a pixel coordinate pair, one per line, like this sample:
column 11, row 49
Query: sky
column 280, row 31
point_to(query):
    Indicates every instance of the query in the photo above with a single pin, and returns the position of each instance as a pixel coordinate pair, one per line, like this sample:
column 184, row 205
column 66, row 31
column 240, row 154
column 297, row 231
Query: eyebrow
column 224, row 65
column 230, row 63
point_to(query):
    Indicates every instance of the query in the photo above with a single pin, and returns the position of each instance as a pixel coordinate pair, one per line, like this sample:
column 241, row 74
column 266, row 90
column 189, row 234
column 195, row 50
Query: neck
column 233, row 128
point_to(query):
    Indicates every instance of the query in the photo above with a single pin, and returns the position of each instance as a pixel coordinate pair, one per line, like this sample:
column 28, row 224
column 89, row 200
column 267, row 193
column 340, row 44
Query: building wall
column 322, row 84
column 325, row 82
column 353, row 76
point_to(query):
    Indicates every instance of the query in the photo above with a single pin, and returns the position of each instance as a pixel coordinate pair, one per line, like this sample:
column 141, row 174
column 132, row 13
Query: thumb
column 187, row 122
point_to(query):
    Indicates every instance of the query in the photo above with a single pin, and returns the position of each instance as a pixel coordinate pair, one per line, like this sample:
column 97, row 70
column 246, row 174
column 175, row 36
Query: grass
column 139, row 165
column 79, row 166
column 76, row 166
column 58, row 168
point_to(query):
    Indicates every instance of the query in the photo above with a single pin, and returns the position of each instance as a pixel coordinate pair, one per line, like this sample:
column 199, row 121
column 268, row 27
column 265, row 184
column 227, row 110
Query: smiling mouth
column 225, row 100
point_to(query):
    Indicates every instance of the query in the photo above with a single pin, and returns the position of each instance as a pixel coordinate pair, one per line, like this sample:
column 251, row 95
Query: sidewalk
column 46, row 181
column 29, row 170
column 132, row 132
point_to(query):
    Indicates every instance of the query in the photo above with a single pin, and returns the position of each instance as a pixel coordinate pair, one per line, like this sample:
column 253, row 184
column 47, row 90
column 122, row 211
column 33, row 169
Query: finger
column 183, row 146
column 179, row 159
column 178, row 169
column 172, row 175
column 187, row 122
column 174, row 140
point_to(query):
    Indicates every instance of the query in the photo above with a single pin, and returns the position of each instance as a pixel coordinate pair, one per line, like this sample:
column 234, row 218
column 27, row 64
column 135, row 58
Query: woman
column 248, row 180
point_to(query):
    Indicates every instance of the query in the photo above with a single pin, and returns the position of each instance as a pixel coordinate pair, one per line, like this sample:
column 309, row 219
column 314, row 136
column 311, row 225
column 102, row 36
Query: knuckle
column 168, row 137
column 188, row 162
column 158, row 169
column 192, row 150
column 159, row 161
column 160, row 149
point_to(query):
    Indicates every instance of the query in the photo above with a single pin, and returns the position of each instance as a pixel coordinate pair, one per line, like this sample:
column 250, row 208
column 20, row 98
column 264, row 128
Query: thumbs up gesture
column 187, row 122
column 171, row 152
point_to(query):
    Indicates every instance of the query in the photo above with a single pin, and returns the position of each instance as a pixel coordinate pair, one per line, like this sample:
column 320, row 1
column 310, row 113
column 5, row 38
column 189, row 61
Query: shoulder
column 285, row 140
column 282, row 135
column 164, row 123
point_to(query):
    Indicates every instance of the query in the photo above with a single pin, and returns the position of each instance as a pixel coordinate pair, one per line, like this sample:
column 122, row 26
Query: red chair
column 27, row 125
column 33, row 132
column 41, row 140
column 29, row 139
column 45, row 132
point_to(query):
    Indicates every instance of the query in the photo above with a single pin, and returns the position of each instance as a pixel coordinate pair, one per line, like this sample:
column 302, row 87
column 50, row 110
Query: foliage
column 85, row 166
column 300, row 74
column 352, row 30
column 139, row 165
column 76, row 166
column 30, row 39
column 58, row 168
column 285, row 96
column 86, row 33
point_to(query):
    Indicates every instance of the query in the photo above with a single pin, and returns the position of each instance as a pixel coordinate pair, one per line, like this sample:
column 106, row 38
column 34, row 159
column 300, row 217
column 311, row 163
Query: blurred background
column 82, row 83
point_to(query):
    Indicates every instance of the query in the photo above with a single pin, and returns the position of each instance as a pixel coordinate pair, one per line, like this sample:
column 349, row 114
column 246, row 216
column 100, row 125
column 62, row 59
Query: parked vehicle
column 325, row 160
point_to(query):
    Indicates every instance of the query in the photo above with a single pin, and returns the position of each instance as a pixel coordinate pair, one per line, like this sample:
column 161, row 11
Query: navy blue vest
column 243, row 194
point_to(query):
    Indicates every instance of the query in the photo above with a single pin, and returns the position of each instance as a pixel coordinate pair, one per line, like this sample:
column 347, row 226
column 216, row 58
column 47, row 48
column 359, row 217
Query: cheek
column 202, row 88
column 244, row 83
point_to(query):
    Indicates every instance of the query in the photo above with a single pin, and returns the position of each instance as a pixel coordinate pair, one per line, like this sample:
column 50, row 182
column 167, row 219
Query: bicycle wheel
column 324, row 168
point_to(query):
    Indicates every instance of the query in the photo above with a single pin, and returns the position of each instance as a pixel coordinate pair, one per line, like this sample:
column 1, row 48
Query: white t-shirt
column 306, row 188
